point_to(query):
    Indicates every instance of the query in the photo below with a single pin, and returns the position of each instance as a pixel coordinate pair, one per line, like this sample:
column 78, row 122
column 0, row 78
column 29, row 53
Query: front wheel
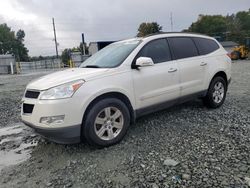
column 106, row 122
column 216, row 93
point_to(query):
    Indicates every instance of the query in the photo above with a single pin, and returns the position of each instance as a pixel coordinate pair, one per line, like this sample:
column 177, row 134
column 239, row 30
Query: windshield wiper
column 91, row 66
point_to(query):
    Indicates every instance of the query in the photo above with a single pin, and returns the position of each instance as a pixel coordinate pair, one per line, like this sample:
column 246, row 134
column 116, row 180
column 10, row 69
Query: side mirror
column 144, row 62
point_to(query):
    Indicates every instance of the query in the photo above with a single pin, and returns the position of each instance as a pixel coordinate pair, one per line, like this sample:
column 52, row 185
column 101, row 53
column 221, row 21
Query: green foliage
column 235, row 27
column 20, row 35
column 210, row 25
column 7, row 38
column 67, row 52
column 13, row 44
column 38, row 58
column 148, row 28
column 66, row 55
column 244, row 18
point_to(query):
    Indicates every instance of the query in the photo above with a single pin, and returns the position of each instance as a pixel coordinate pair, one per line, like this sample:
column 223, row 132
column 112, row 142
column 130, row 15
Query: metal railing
column 43, row 65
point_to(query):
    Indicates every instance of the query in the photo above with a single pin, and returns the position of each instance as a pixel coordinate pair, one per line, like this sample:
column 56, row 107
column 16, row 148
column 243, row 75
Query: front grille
column 28, row 108
column 32, row 94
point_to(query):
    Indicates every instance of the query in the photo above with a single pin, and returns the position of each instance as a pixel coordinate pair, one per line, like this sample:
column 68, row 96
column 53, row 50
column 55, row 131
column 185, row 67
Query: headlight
column 62, row 91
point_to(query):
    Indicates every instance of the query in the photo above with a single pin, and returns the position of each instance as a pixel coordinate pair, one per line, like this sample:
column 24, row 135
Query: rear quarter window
column 183, row 47
column 205, row 46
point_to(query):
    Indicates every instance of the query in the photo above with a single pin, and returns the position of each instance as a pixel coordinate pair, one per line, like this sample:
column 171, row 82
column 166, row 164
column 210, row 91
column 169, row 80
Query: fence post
column 11, row 68
column 70, row 64
column 18, row 71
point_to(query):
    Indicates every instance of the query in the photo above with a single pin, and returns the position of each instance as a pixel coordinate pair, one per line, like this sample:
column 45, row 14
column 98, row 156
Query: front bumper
column 63, row 135
column 67, row 132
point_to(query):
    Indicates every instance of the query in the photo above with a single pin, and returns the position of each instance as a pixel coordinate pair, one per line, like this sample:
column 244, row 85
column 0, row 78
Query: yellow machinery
column 239, row 52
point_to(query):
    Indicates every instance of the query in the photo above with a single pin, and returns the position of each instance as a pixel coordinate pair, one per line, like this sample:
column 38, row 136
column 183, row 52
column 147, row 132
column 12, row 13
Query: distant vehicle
column 239, row 52
column 125, row 80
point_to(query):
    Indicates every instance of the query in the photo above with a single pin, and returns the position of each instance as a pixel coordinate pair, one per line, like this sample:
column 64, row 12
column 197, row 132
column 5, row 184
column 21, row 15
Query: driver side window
column 157, row 50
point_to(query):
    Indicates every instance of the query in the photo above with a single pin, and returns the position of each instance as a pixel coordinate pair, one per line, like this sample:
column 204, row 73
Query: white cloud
column 11, row 13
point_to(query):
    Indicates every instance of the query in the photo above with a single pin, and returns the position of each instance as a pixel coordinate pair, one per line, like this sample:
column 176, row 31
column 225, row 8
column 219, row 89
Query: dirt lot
column 183, row 146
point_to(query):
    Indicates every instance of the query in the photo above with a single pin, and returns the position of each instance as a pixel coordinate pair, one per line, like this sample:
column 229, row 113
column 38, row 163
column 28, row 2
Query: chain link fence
column 37, row 66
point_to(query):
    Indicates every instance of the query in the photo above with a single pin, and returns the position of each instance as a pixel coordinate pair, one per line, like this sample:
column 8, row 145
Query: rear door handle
column 172, row 70
column 203, row 64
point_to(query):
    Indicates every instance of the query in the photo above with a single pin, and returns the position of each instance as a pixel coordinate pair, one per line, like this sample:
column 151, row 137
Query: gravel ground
column 11, row 91
column 184, row 146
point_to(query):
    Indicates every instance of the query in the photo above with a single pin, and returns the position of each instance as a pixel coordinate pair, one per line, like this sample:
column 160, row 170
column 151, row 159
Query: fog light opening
column 52, row 120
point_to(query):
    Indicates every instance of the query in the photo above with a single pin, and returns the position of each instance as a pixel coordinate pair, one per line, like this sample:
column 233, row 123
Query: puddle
column 11, row 130
column 6, row 140
column 15, row 147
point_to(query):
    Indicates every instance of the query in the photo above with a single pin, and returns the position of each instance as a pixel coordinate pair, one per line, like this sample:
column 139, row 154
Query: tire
column 106, row 122
column 216, row 93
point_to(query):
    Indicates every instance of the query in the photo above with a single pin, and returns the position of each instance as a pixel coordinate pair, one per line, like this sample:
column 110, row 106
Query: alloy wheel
column 109, row 123
column 219, row 92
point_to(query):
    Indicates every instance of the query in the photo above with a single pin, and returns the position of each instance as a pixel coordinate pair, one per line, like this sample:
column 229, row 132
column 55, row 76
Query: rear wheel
column 106, row 122
column 216, row 93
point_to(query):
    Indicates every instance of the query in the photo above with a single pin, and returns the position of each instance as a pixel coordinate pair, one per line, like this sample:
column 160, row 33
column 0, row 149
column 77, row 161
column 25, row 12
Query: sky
column 102, row 20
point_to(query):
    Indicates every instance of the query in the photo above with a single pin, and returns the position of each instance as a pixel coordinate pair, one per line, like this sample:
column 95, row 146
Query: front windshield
column 112, row 55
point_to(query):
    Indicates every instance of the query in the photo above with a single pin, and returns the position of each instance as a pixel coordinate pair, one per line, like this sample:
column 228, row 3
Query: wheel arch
column 113, row 94
column 221, row 74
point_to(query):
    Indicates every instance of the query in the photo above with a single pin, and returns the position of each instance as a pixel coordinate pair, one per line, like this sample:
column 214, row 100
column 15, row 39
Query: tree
column 21, row 51
column 20, row 35
column 148, row 28
column 235, row 27
column 13, row 44
column 210, row 25
column 66, row 55
column 244, row 18
column 7, row 39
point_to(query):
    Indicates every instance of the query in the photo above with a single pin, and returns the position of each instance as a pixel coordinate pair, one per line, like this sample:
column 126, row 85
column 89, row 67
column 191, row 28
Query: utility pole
column 83, row 44
column 171, row 21
column 54, row 28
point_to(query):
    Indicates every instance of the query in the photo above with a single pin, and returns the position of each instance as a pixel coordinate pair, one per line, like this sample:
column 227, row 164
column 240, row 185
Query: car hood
column 61, row 77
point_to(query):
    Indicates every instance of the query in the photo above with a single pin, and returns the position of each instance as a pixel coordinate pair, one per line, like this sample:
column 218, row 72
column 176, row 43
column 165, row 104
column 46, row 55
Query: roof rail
column 161, row 33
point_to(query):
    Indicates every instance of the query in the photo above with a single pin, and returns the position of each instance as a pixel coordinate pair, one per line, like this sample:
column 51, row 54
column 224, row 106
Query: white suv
column 98, row 101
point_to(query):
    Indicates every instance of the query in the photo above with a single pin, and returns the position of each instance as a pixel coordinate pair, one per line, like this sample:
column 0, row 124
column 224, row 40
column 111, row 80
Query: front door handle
column 172, row 70
column 203, row 64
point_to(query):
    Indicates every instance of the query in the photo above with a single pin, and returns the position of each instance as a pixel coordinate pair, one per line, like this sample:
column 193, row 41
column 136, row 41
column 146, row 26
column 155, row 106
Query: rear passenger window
column 183, row 47
column 205, row 46
column 158, row 50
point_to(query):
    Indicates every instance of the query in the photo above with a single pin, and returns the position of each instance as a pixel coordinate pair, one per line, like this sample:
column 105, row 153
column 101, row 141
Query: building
column 78, row 58
column 5, row 62
column 96, row 46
